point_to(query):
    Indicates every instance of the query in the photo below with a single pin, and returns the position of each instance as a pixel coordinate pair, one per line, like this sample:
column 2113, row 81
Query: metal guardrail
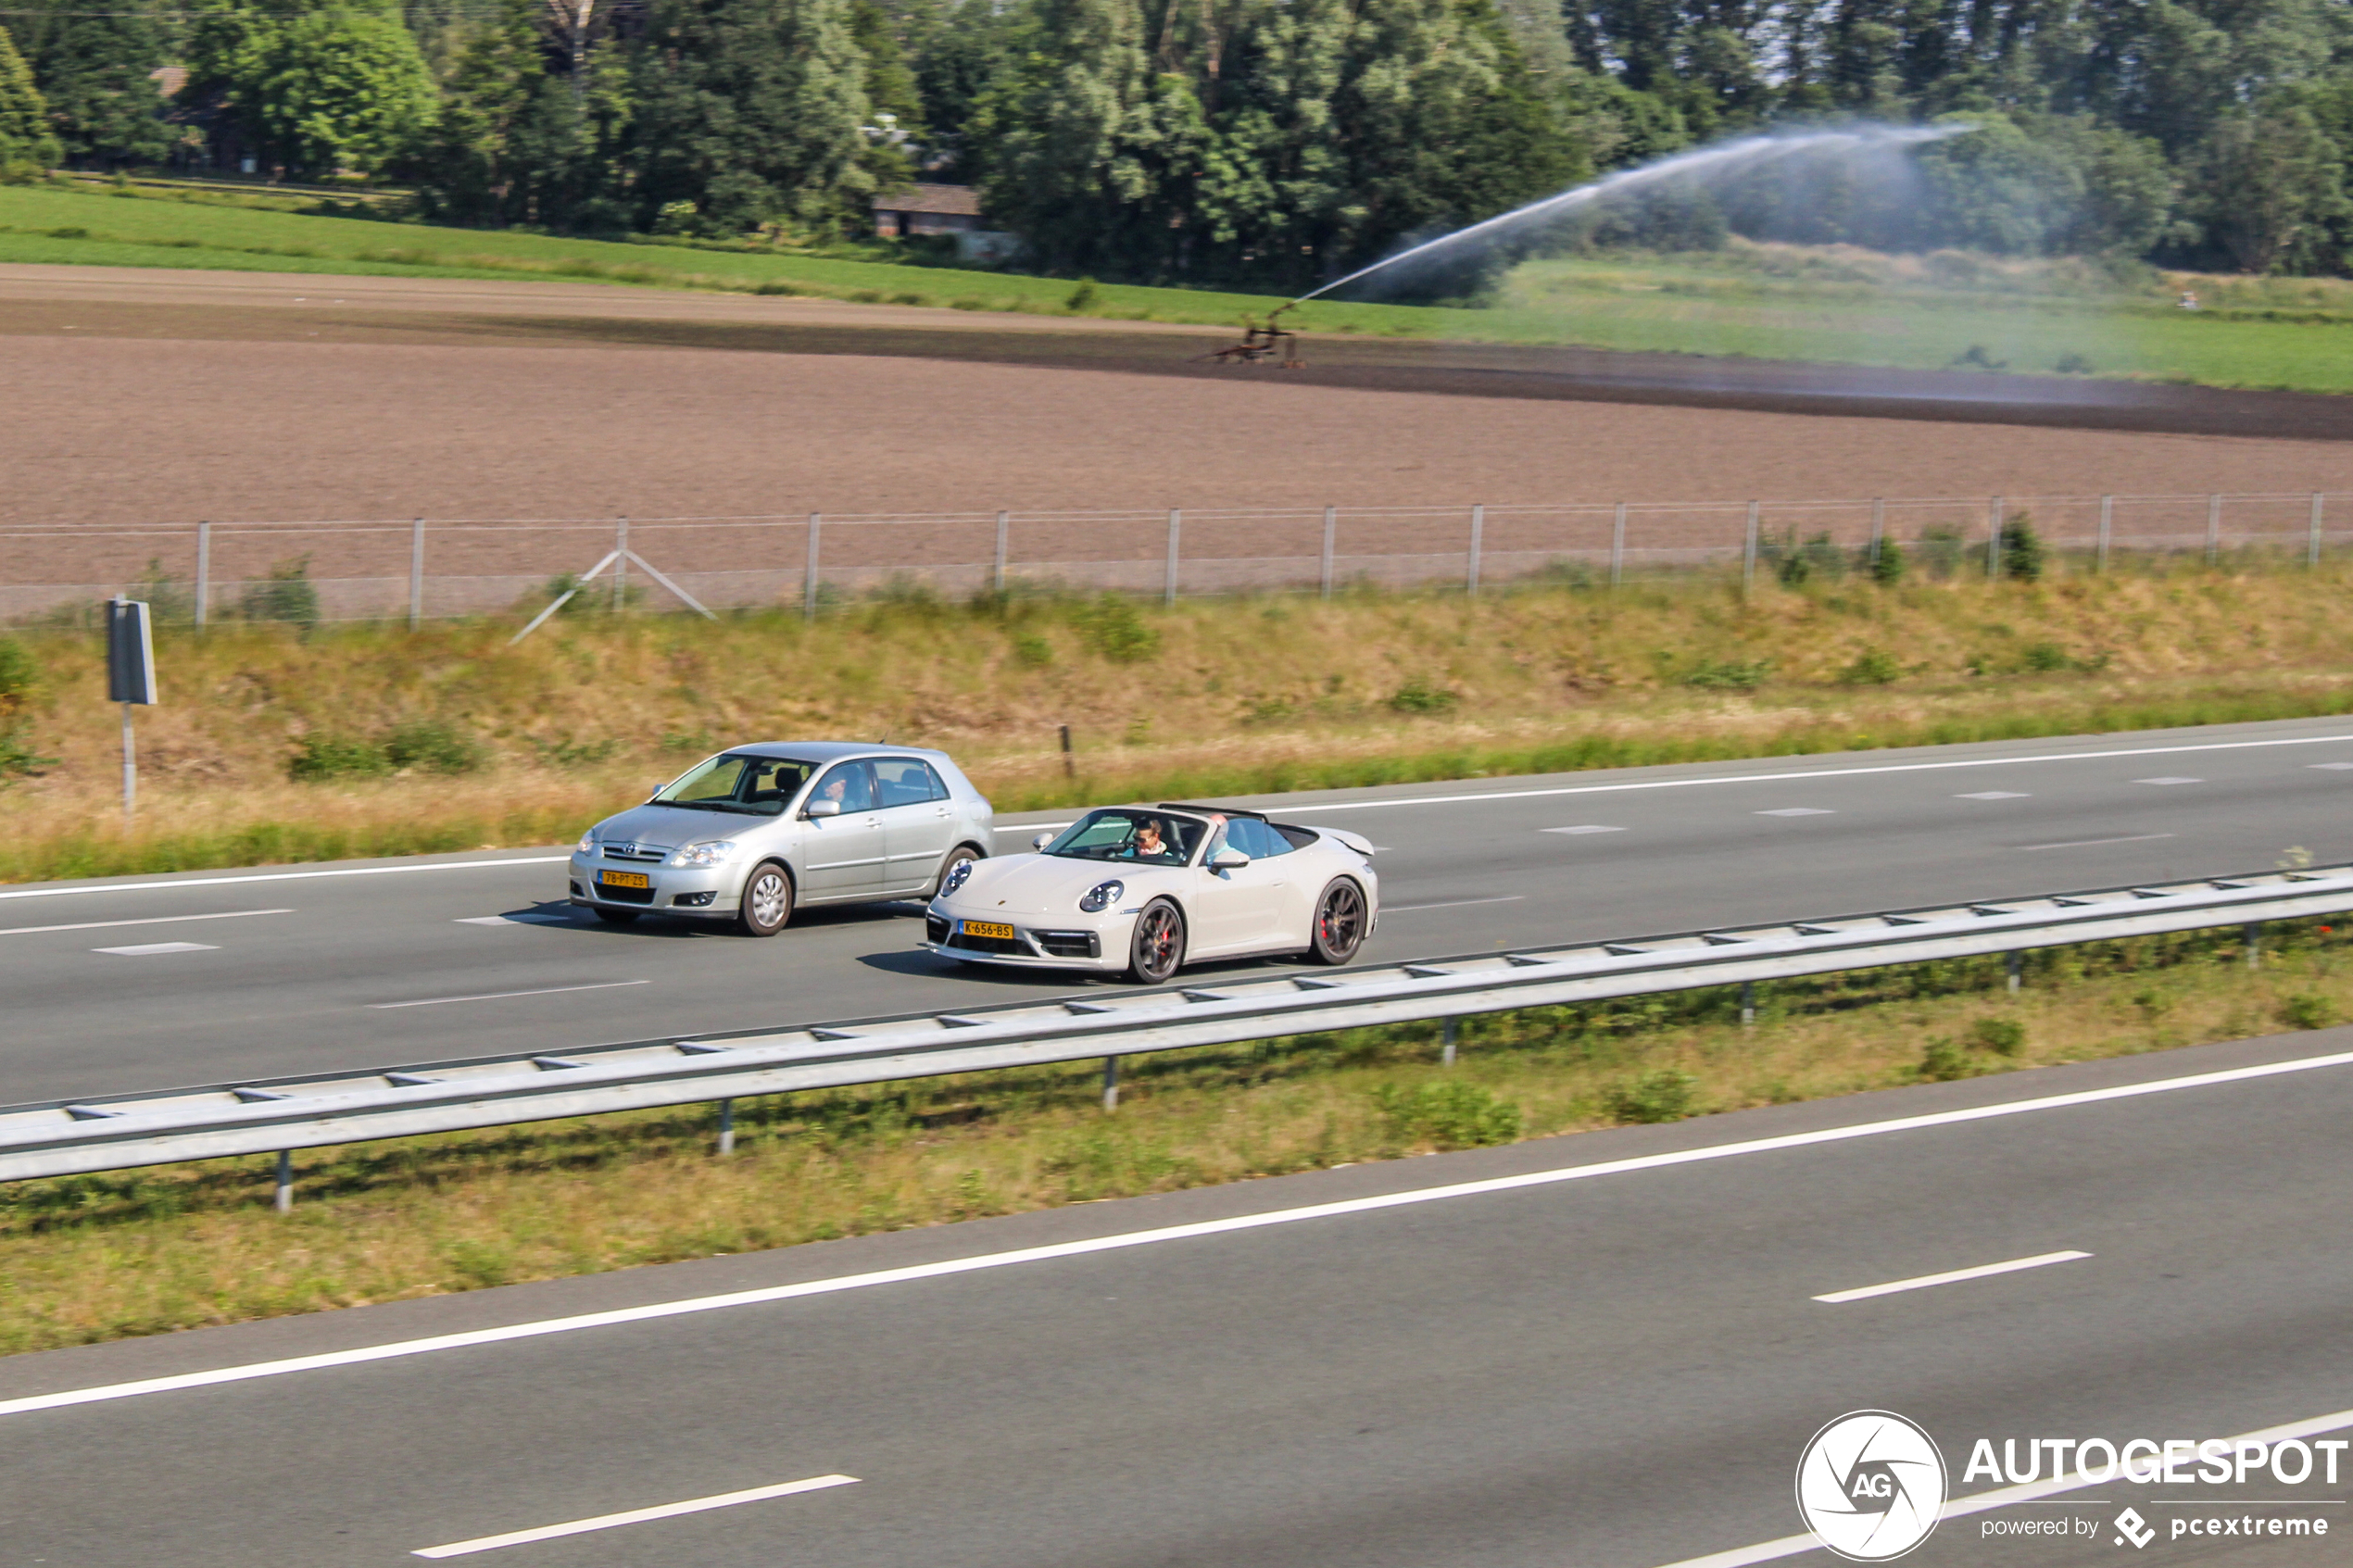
column 280, row 1115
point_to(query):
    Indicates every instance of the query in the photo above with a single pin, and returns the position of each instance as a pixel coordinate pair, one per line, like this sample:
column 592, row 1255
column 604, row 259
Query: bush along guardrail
column 320, row 1111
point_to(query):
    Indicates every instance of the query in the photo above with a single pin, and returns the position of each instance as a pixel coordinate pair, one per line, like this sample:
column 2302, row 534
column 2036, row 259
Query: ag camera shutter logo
column 1871, row 1485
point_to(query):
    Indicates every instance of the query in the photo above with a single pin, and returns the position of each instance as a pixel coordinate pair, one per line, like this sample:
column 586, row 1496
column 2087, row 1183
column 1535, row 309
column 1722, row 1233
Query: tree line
column 1276, row 143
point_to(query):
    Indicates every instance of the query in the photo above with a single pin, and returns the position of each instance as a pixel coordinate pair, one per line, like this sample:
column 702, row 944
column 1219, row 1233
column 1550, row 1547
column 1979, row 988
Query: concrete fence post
column 2107, row 521
column 1879, row 532
column 2312, row 548
column 1993, row 541
column 1176, row 530
column 204, row 570
column 1331, row 533
column 2213, row 529
column 1618, row 547
column 809, row 572
column 1748, row 557
column 1004, row 537
column 1479, row 527
column 416, row 574
column 620, row 564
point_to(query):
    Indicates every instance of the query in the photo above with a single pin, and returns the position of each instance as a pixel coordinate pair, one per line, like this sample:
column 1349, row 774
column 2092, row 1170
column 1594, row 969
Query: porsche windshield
column 1150, row 838
column 759, row 787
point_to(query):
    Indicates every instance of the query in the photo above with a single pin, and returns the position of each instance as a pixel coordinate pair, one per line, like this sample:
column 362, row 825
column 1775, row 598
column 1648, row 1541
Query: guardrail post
column 1878, row 529
column 809, row 572
column 1111, row 1083
column 284, row 1199
column 2107, row 518
column 2251, row 943
column 204, row 565
column 2213, row 529
column 1447, row 1033
column 1004, row 531
column 416, row 572
column 1618, row 547
column 1748, row 557
column 1748, row 1004
column 2016, row 970
column 1479, row 527
column 726, row 1128
column 1331, row 531
column 1176, row 529
column 2312, row 550
column 1993, row 542
column 620, row 564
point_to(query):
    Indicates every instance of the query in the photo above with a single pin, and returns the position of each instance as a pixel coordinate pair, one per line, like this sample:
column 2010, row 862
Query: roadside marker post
column 131, row 681
column 203, row 565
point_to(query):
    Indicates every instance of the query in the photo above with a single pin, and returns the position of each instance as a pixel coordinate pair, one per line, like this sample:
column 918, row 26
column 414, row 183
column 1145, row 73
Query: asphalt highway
column 139, row 984
column 1588, row 1368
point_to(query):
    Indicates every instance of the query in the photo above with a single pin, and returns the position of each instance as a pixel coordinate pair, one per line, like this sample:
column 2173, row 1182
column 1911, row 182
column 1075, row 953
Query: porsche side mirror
column 822, row 808
column 1042, row 840
column 1229, row 860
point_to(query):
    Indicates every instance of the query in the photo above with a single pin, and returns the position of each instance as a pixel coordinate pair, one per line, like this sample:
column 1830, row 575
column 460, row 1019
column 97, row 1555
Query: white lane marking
column 1125, row 1239
column 2169, row 781
column 1450, row 904
column 150, row 920
column 1811, row 773
column 502, row 996
column 2331, row 766
column 148, row 949
column 636, row 1517
column 1995, row 794
column 1588, row 827
column 274, row 876
column 501, row 920
column 1798, row 812
column 2006, row 1497
column 2088, row 843
column 1922, row 1282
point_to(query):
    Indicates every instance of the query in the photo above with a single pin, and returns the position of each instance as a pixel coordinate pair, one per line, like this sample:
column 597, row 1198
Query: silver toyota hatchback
column 749, row 835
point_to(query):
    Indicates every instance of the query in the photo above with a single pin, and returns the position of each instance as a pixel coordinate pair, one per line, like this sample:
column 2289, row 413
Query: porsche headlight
column 715, row 853
column 958, row 874
column 587, row 844
column 1101, row 897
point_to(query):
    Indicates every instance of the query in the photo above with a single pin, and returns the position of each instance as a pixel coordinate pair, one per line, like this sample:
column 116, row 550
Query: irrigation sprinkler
column 1261, row 341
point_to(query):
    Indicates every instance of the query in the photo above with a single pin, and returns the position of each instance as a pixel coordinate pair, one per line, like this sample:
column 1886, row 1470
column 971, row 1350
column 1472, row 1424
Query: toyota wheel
column 767, row 901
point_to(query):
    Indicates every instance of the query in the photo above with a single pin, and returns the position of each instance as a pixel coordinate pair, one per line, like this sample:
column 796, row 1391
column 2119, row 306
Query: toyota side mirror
column 1229, row 860
column 1042, row 840
column 822, row 808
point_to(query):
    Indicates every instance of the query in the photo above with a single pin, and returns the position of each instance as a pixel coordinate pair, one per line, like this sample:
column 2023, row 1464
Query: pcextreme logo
column 1870, row 1485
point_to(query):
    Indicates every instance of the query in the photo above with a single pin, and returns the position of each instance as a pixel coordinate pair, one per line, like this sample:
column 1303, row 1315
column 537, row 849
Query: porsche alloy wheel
column 767, row 901
column 1158, row 947
column 1340, row 924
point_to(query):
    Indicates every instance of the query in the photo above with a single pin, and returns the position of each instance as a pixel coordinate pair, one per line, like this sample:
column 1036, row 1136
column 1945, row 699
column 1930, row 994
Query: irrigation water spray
column 1745, row 156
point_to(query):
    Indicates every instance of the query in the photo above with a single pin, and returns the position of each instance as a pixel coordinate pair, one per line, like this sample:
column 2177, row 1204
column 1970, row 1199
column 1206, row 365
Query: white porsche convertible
column 1147, row 888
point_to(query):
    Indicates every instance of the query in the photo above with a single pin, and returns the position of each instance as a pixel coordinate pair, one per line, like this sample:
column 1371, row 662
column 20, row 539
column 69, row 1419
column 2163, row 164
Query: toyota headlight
column 715, row 853
column 1101, row 897
column 587, row 844
column 958, row 874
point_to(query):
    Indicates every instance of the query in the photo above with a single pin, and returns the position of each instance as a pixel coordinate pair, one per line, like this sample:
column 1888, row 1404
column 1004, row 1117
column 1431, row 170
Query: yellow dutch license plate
column 624, row 879
column 989, row 928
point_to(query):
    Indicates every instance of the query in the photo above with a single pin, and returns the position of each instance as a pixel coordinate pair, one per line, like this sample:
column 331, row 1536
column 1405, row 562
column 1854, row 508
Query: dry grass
column 1212, row 696
column 99, row 1258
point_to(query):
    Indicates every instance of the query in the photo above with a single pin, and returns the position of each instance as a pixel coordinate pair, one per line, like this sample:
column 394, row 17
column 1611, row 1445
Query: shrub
column 1033, row 651
column 773, row 286
column 1872, row 667
column 1664, row 1095
column 433, row 746
column 2046, row 657
column 1939, row 551
column 2073, row 364
column 2021, row 551
column 18, row 760
column 19, row 674
column 318, row 755
column 2304, row 1011
column 1112, row 628
column 1888, row 570
column 1726, row 674
column 1084, row 298
column 1945, row 1063
column 1418, row 695
column 2002, row 1036
column 285, row 594
column 1448, row 1115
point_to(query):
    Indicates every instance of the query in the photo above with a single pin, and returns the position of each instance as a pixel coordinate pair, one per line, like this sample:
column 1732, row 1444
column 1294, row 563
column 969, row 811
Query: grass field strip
column 1122, row 1241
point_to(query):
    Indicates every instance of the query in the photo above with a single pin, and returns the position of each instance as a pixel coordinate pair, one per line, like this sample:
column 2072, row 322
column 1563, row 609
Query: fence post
column 1005, row 530
column 203, row 567
column 809, row 574
column 1479, row 527
column 416, row 574
column 1331, row 531
column 2108, row 517
column 2213, row 529
column 1878, row 529
column 1176, row 528
column 1748, row 558
column 283, row 1202
column 1994, row 543
column 2312, row 550
column 1111, row 1083
column 1618, row 547
column 726, row 1127
column 619, row 563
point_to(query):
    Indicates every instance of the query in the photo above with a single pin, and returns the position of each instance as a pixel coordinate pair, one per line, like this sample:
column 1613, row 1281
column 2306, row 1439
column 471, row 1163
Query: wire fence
column 428, row 568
